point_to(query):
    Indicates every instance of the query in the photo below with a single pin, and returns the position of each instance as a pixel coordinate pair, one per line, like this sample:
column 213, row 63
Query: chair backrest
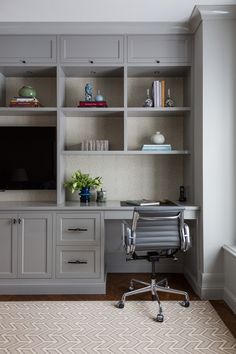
column 156, row 229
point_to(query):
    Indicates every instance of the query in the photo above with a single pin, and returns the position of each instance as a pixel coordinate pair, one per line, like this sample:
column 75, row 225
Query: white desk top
column 112, row 208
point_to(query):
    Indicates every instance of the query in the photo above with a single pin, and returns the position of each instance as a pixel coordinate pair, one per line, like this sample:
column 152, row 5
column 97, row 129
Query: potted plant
column 83, row 182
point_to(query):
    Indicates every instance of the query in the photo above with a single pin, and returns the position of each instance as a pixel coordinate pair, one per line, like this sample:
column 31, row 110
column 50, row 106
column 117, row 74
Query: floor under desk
column 117, row 283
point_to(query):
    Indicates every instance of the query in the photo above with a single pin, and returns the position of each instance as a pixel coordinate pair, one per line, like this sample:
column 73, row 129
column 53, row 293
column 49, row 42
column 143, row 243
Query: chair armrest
column 128, row 237
column 186, row 244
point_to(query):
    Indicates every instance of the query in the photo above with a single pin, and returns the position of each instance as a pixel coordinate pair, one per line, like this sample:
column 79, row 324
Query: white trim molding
column 230, row 276
column 212, row 286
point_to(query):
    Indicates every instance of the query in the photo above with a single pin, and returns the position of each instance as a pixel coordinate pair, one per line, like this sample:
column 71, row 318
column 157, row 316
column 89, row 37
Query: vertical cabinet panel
column 35, row 246
column 8, row 246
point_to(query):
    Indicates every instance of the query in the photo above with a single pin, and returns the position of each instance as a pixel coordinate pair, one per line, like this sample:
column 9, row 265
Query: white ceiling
column 101, row 10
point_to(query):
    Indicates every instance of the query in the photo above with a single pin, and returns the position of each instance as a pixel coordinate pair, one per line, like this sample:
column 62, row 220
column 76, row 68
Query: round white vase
column 158, row 138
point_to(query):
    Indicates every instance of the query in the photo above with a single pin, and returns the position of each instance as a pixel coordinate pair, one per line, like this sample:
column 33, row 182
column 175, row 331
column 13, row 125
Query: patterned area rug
column 99, row 327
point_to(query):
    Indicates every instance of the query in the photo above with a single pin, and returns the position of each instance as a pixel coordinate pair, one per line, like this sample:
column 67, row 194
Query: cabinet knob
column 19, row 220
column 158, row 61
column 23, row 61
column 91, row 61
column 77, row 229
column 14, row 221
column 77, row 262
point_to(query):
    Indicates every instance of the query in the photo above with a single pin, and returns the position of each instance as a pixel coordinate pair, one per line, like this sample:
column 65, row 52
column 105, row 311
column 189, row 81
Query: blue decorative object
column 99, row 97
column 88, row 92
column 85, row 195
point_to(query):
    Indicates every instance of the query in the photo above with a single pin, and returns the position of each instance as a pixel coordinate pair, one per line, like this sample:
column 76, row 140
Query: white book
column 142, row 202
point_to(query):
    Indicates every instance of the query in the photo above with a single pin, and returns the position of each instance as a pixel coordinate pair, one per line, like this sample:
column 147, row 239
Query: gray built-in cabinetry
column 26, row 245
column 122, row 68
column 79, row 251
column 37, row 246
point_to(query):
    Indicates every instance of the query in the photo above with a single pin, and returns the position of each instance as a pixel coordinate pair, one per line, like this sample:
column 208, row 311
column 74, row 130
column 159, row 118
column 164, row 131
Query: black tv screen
column 27, row 158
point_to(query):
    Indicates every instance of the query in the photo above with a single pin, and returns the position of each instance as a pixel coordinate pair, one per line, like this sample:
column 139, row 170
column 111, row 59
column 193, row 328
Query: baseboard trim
column 212, row 286
column 230, row 299
column 193, row 282
column 45, row 289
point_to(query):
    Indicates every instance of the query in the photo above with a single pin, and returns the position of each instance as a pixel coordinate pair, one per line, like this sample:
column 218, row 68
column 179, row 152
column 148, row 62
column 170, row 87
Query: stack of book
column 156, row 147
column 92, row 104
column 158, row 93
column 24, row 102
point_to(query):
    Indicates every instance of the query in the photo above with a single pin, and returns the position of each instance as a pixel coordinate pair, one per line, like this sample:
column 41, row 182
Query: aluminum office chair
column 154, row 233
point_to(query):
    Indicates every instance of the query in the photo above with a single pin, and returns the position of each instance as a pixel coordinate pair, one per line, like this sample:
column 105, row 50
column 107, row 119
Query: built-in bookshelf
column 125, row 123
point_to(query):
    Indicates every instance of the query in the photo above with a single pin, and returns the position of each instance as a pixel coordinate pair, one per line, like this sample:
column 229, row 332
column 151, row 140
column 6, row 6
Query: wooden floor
column 117, row 283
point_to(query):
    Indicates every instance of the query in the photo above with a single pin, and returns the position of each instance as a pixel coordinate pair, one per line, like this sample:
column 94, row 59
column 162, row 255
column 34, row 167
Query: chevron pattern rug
column 98, row 327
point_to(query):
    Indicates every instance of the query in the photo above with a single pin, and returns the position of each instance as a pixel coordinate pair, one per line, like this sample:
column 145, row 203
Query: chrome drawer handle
column 77, row 229
column 77, row 262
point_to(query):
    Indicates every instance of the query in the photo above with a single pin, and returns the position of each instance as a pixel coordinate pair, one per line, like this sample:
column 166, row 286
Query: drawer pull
column 77, row 262
column 77, row 229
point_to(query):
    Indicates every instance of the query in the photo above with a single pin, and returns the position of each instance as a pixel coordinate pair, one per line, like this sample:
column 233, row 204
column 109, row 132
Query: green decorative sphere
column 27, row 91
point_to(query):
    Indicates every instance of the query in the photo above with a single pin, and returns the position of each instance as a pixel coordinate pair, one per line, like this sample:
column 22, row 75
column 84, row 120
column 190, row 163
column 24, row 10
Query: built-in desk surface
column 112, row 209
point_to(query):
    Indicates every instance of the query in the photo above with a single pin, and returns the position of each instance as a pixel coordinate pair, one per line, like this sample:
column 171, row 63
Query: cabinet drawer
column 91, row 49
column 82, row 262
column 78, row 228
column 159, row 49
column 27, row 49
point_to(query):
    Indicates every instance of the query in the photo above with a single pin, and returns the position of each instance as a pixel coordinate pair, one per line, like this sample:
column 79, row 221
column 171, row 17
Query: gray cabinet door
column 25, row 49
column 8, row 246
column 158, row 49
column 78, row 262
column 91, row 49
column 35, row 245
column 78, row 228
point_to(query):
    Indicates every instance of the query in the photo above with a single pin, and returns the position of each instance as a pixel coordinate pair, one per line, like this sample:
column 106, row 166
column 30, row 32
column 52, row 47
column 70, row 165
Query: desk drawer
column 82, row 262
column 78, row 228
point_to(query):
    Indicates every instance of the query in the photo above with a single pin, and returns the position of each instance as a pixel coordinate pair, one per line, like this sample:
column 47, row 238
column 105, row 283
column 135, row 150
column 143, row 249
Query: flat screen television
column 27, row 158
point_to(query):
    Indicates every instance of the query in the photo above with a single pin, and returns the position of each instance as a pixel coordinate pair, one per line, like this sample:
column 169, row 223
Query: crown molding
column 211, row 12
column 93, row 27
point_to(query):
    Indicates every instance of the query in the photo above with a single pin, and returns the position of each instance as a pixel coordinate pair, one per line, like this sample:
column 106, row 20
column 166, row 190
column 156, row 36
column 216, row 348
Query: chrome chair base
column 153, row 287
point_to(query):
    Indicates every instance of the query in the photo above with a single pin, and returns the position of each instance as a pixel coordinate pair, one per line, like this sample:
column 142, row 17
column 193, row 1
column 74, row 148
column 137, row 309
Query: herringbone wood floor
column 117, row 283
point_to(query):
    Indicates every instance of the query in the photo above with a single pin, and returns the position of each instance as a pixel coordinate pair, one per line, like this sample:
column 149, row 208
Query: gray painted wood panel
column 159, row 49
column 77, row 228
column 27, row 49
column 35, row 245
column 91, row 49
column 74, row 262
column 8, row 246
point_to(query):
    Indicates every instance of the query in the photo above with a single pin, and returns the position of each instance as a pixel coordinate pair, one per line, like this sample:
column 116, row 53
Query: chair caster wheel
column 185, row 303
column 159, row 318
column 120, row 305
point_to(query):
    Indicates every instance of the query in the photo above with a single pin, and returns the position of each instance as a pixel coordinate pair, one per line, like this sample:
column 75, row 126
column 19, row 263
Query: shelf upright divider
column 125, row 137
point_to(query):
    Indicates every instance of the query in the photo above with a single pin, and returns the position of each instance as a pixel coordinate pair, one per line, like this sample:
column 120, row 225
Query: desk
column 38, row 239
column 112, row 210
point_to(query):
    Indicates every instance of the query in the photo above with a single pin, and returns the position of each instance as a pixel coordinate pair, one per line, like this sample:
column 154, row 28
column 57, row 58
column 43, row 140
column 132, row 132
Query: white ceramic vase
column 158, row 138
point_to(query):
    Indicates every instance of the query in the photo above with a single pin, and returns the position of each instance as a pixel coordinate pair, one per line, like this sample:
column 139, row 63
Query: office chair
column 154, row 233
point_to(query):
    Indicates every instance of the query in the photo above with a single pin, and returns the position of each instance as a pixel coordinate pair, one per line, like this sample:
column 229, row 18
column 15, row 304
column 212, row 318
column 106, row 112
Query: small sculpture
column 169, row 101
column 148, row 102
column 88, row 92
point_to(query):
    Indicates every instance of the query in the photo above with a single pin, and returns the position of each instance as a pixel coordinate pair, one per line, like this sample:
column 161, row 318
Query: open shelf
column 109, row 80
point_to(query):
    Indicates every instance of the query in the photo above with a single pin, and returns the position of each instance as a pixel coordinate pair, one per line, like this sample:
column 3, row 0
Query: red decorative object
column 92, row 104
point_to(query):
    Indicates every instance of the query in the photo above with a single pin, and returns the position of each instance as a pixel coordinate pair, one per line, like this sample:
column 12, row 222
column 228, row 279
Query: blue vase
column 85, row 195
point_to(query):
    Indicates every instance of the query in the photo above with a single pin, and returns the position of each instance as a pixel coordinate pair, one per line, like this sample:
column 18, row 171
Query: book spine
column 93, row 104
column 162, row 93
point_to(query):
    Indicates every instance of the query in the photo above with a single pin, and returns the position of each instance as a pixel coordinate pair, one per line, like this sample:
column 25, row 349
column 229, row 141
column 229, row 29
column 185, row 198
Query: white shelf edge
column 11, row 111
column 123, row 152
